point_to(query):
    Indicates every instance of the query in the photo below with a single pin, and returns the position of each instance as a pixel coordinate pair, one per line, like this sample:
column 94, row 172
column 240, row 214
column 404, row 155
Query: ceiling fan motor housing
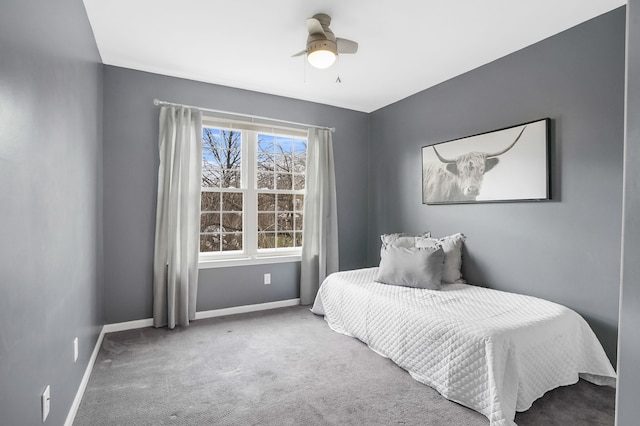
column 322, row 44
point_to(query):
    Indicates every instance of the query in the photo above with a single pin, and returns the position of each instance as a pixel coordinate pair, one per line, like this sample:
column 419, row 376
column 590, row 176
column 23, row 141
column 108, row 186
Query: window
column 253, row 181
column 221, row 202
column 280, row 168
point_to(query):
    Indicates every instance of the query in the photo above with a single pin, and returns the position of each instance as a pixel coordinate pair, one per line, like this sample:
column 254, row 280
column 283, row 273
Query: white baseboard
column 130, row 325
column 85, row 380
column 247, row 308
column 148, row 322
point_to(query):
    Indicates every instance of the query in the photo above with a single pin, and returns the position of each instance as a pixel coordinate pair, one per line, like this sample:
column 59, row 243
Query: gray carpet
column 283, row 367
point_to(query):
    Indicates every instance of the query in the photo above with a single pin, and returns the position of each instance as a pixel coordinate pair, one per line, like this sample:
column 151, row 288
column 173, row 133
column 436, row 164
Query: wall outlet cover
column 267, row 279
column 75, row 349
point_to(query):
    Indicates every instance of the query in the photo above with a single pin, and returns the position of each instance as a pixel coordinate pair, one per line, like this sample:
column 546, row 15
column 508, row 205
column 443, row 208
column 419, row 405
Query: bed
column 491, row 351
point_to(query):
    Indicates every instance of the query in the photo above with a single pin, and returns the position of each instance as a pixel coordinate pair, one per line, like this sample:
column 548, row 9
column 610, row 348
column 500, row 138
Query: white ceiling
column 405, row 45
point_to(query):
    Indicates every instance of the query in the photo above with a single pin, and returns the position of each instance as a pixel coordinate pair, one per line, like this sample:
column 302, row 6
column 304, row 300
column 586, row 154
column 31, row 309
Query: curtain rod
column 237, row 114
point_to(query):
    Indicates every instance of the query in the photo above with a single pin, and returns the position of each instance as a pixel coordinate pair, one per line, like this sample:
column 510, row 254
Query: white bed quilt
column 492, row 351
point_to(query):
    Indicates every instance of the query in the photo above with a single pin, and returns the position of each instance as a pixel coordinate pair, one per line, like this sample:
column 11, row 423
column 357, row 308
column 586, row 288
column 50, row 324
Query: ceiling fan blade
column 315, row 27
column 346, row 46
column 299, row 53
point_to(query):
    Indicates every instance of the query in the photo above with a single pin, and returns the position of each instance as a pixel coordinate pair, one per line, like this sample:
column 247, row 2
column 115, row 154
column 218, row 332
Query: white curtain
column 175, row 263
column 320, row 231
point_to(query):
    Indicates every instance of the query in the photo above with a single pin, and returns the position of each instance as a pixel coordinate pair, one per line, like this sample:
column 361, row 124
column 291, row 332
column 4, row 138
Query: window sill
column 248, row 260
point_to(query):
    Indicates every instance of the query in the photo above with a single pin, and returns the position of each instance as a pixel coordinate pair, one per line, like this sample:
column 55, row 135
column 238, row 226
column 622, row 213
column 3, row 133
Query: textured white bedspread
column 492, row 351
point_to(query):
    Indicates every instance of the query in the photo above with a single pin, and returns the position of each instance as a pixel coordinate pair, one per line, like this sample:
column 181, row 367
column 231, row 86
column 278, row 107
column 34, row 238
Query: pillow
column 452, row 246
column 411, row 267
column 401, row 239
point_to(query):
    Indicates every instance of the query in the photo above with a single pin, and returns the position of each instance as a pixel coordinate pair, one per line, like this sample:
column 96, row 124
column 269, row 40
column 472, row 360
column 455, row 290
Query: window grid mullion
column 251, row 197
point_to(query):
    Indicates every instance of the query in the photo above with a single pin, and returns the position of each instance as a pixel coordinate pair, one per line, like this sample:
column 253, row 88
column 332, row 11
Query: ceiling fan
column 322, row 44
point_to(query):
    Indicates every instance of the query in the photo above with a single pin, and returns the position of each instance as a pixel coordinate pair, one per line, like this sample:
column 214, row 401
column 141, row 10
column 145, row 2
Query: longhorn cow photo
column 505, row 165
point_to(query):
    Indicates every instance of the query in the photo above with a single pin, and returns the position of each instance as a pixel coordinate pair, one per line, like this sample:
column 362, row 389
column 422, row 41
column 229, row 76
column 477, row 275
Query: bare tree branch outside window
column 280, row 180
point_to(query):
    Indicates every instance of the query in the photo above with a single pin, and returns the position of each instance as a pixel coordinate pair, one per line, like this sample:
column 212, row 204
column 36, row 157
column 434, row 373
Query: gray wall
column 130, row 189
column 566, row 250
column 227, row 287
column 51, row 205
column 627, row 409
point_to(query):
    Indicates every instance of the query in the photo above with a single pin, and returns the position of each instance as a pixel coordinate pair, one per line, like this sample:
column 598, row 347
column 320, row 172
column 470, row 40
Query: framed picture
column 510, row 164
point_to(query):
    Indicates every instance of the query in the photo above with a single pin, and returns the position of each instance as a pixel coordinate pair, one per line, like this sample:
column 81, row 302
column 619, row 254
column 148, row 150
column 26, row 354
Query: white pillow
column 411, row 267
column 452, row 246
column 402, row 239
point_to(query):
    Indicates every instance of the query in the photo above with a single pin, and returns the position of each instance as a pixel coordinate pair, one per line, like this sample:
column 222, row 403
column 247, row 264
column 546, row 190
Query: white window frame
column 250, row 254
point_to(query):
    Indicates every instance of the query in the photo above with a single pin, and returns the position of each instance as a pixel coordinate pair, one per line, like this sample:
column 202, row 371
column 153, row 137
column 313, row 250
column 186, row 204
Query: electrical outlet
column 46, row 402
column 75, row 349
column 267, row 279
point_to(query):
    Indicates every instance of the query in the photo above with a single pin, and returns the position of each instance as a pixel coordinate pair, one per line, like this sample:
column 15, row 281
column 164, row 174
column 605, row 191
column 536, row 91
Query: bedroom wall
column 627, row 408
column 51, row 205
column 130, row 189
column 566, row 250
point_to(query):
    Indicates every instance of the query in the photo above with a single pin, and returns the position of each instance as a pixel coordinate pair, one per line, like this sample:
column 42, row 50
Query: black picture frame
column 506, row 165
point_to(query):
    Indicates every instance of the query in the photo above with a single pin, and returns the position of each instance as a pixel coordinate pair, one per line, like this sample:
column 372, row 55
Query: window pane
column 283, row 181
column 266, row 222
column 285, row 221
column 297, row 222
column 284, row 163
column 266, row 240
column 232, row 241
column 211, row 158
column 265, row 180
column 210, row 222
column 232, row 201
column 300, row 148
column 267, row 202
column 209, row 242
column 210, row 138
column 221, row 158
column 210, row 201
column 300, row 159
column 210, row 176
column 231, row 140
column 226, row 159
column 299, row 165
column 285, row 202
column 265, row 161
column 231, row 179
column 298, row 182
column 231, row 222
column 265, row 143
column 285, row 239
column 298, row 238
column 298, row 203
column 285, row 145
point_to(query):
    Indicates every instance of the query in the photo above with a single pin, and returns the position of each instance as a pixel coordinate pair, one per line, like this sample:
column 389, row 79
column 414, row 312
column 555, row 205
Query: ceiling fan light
column 321, row 58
